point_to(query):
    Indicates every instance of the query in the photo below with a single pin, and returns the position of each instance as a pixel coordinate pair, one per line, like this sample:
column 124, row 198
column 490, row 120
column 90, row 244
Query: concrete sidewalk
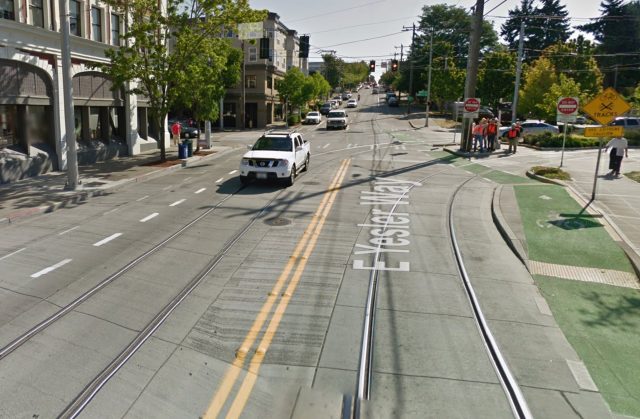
column 46, row 193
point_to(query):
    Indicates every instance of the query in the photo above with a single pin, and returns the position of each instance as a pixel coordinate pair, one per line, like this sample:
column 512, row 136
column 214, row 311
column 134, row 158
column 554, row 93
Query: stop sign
column 472, row 105
column 567, row 106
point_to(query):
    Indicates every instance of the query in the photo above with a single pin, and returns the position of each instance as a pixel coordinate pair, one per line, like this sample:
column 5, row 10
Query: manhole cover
column 277, row 221
column 310, row 183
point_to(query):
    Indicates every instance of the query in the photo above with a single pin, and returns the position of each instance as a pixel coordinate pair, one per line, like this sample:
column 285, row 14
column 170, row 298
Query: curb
column 505, row 231
column 82, row 196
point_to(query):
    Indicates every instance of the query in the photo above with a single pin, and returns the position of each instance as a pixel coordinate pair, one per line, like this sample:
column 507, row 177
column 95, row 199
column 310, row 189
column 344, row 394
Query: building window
column 7, row 126
column 250, row 82
column 269, row 82
column 115, row 29
column 75, row 18
column 253, row 54
column 7, row 10
column 36, row 12
column 96, row 24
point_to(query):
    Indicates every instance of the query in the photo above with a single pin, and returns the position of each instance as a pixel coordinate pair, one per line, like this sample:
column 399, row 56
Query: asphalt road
column 277, row 281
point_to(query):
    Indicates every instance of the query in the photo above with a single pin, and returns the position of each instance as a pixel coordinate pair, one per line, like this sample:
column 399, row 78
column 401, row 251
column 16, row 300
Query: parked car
column 277, row 155
column 313, row 117
column 352, row 103
column 326, row 108
column 337, row 119
column 345, row 96
column 485, row 112
column 374, row 91
column 187, row 130
column 629, row 123
column 338, row 98
column 531, row 128
column 392, row 101
column 390, row 94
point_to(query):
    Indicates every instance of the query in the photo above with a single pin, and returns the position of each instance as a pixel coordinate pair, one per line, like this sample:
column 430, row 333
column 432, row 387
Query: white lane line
column 233, row 171
column 188, row 179
column 326, row 145
column 404, row 147
column 142, row 199
column 201, row 190
column 355, row 145
column 371, row 147
column 50, row 268
column 166, row 188
column 177, row 203
column 67, row 231
column 110, row 211
column 13, row 253
column 348, row 145
column 107, row 239
column 220, row 180
column 148, row 217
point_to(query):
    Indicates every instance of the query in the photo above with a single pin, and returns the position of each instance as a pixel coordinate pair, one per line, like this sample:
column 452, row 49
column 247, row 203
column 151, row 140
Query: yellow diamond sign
column 606, row 106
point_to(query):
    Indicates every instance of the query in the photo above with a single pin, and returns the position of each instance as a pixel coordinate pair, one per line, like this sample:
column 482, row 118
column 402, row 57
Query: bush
column 293, row 119
column 550, row 140
column 551, row 172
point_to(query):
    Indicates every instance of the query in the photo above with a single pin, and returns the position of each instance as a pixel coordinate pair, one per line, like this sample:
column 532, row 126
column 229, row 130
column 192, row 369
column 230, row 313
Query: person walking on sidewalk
column 512, row 137
column 175, row 131
column 479, row 132
column 619, row 148
column 492, row 131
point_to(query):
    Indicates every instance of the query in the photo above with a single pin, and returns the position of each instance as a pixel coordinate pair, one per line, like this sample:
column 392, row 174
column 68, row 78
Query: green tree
column 146, row 65
column 292, row 87
column 538, row 79
column 333, row 69
column 354, row 73
column 582, row 68
column 321, row 88
column 447, row 81
column 389, row 77
column 496, row 77
column 510, row 29
column 565, row 86
column 553, row 28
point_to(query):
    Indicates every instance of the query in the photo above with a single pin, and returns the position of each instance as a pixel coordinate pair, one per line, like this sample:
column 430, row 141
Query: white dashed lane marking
column 201, row 190
column 142, row 199
column 177, row 203
column 233, row 172
column 220, row 180
column 148, row 217
column 62, row 233
column 107, row 239
column 13, row 253
column 326, row 145
column 50, row 268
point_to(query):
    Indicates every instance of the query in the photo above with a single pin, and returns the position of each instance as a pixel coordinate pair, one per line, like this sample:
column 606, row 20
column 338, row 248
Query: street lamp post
column 69, row 119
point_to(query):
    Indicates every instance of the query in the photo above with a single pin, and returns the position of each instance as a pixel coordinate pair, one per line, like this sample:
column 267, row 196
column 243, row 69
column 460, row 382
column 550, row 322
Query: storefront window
column 7, row 126
column 114, row 123
column 38, row 130
column 7, row 10
column 94, row 123
column 77, row 122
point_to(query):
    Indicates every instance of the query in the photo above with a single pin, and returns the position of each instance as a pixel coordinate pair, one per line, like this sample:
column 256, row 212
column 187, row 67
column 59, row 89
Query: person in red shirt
column 492, row 131
column 512, row 136
column 175, row 131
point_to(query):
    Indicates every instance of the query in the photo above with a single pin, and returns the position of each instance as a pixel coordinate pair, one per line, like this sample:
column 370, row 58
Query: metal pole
column 564, row 139
column 413, row 52
column 69, row 118
column 595, row 177
column 426, row 122
column 472, row 69
column 207, row 133
column 401, row 57
column 516, row 90
column 455, row 118
column 244, row 92
column 221, row 122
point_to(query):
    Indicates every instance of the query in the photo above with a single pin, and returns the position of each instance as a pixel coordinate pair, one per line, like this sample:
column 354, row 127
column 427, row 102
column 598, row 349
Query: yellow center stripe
column 234, row 370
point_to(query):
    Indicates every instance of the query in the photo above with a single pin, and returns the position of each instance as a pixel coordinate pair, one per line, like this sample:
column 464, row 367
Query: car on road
column 530, row 127
column 345, row 96
column 277, row 155
column 374, row 91
column 337, row 119
column 393, row 101
column 338, row 99
column 187, row 129
column 326, row 108
column 629, row 123
column 352, row 103
column 389, row 95
column 313, row 117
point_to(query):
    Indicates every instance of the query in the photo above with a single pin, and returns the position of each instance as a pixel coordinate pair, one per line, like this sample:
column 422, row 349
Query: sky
column 349, row 26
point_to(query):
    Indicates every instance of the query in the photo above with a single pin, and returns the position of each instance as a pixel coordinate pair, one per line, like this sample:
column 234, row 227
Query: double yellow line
column 300, row 255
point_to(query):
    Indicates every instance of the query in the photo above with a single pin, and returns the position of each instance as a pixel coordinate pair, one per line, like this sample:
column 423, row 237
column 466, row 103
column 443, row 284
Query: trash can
column 182, row 150
column 189, row 144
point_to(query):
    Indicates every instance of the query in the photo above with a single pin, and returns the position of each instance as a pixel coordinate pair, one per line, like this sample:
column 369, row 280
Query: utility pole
column 411, row 58
column 69, row 117
column 426, row 122
column 472, row 69
column 401, row 56
column 244, row 91
column 516, row 91
column 615, row 78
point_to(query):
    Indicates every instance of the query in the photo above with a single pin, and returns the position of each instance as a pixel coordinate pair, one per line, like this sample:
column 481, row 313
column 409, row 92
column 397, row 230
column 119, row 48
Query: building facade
column 262, row 105
column 32, row 109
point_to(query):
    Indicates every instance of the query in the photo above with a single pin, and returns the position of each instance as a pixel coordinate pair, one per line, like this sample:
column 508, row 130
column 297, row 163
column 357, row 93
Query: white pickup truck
column 337, row 119
column 277, row 155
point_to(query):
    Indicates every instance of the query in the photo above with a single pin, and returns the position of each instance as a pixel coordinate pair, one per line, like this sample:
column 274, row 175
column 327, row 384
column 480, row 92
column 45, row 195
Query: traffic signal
column 304, row 47
column 372, row 66
column 394, row 65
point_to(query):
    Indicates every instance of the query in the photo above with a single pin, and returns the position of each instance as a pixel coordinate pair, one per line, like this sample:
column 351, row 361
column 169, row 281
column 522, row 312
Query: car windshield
column 312, row 114
column 273, row 144
column 336, row 114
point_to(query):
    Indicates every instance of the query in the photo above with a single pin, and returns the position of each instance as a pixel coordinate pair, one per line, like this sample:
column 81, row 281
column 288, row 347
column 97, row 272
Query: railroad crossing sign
column 567, row 109
column 606, row 106
column 604, row 132
column 471, row 107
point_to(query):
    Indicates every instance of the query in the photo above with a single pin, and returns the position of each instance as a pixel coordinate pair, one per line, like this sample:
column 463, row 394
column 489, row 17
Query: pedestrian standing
column 492, row 131
column 619, row 149
column 175, row 131
column 512, row 137
column 479, row 132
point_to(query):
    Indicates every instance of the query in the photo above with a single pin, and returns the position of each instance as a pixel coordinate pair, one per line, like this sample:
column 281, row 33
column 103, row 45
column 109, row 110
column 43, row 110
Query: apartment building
column 32, row 111
column 262, row 105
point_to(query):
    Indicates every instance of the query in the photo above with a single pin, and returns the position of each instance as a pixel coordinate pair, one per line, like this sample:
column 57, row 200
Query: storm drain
column 577, row 273
column 277, row 221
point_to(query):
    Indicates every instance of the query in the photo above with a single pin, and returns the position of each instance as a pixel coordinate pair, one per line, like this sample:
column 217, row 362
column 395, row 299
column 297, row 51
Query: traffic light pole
column 426, row 121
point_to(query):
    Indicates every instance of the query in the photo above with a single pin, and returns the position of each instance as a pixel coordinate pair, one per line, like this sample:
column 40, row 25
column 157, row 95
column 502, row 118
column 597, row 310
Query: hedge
column 550, row 140
column 293, row 119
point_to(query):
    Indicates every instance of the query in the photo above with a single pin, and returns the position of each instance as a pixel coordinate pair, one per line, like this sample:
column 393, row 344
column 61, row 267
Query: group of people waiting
column 485, row 135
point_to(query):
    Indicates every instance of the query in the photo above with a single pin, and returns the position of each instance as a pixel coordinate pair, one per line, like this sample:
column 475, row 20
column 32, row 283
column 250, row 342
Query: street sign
column 606, row 106
column 567, row 109
column 604, row 132
column 471, row 107
column 251, row 30
column 422, row 93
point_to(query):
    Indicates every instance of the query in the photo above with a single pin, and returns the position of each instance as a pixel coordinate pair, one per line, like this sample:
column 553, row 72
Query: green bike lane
column 584, row 275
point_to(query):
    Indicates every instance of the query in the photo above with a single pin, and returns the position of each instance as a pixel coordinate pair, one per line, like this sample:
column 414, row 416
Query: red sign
column 472, row 105
column 567, row 106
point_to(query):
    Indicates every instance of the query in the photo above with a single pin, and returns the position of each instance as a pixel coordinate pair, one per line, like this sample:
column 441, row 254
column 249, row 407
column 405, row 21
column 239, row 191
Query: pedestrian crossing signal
column 394, row 65
column 372, row 66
